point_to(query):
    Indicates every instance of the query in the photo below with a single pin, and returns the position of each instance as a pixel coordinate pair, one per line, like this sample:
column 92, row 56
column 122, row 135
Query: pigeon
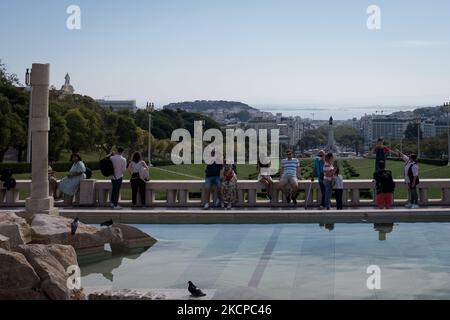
column 74, row 226
column 196, row 292
column 108, row 223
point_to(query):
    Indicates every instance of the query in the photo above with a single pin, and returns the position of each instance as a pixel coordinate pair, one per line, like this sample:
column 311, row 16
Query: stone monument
column 331, row 144
column 39, row 200
column 67, row 88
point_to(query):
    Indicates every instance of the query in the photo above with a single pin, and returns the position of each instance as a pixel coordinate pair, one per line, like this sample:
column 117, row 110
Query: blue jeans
column 212, row 181
column 413, row 197
column 328, row 193
column 322, row 192
column 116, row 184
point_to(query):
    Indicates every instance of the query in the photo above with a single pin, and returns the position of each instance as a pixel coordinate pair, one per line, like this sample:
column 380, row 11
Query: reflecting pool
column 287, row 261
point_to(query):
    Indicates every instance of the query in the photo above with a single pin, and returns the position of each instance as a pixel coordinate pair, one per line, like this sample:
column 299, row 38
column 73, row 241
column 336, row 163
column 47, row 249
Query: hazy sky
column 296, row 56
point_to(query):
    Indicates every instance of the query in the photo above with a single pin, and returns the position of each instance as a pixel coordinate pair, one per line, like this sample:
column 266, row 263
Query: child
column 229, row 186
column 411, row 174
column 338, row 185
column 385, row 186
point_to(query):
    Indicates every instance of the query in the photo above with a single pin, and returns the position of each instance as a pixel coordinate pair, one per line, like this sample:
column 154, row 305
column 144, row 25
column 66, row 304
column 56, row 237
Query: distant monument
column 67, row 89
column 331, row 144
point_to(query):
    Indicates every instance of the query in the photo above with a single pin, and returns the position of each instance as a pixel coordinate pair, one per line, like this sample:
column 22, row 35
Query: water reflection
column 383, row 229
column 106, row 263
column 327, row 226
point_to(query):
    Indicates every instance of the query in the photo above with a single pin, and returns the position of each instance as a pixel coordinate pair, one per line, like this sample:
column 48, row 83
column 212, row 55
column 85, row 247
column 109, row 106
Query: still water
column 287, row 261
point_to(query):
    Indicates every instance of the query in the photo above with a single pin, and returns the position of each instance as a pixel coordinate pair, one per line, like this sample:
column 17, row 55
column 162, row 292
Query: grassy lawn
column 364, row 167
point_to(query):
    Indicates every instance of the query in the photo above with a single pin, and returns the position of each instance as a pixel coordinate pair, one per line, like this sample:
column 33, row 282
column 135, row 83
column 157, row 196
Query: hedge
column 435, row 162
column 24, row 167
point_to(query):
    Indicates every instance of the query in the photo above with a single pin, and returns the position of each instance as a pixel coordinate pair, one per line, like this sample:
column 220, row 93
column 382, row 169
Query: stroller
column 8, row 180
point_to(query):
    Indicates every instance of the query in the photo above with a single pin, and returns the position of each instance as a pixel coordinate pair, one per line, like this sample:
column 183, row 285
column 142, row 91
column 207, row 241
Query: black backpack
column 88, row 173
column 385, row 182
column 411, row 175
column 107, row 167
column 8, row 179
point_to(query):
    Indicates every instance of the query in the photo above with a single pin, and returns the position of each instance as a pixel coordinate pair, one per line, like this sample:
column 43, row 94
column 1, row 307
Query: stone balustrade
column 185, row 193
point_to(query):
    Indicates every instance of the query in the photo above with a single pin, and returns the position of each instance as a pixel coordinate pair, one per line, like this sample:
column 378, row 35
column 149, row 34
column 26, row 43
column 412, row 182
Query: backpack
column 107, row 167
column 88, row 173
column 7, row 178
column 385, row 183
column 411, row 175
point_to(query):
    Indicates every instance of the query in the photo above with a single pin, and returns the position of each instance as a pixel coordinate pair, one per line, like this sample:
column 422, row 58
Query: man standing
column 317, row 171
column 120, row 166
column 381, row 151
column 212, row 180
column 411, row 174
column 290, row 172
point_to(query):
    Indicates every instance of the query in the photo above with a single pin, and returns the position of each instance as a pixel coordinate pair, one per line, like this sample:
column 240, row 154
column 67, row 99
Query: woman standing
column 229, row 186
column 69, row 185
column 139, row 175
column 328, row 172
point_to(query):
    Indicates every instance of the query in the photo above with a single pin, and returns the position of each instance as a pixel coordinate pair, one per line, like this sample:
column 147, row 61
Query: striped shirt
column 290, row 167
column 328, row 171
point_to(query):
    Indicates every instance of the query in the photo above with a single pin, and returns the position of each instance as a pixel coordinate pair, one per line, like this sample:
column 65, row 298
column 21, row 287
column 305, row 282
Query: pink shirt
column 328, row 171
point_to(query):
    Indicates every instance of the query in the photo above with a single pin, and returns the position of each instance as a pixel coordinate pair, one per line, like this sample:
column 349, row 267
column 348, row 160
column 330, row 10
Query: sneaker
column 112, row 206
column 269, row 197
column 229, row 206
column 218, row 202
column 206, row 206
column 118, row 208
column 288, row 198
column 222, row 205
column 408, row 206
column 415, row 206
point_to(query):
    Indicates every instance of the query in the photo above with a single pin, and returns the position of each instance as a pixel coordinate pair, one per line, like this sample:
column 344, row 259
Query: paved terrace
column 172, row 202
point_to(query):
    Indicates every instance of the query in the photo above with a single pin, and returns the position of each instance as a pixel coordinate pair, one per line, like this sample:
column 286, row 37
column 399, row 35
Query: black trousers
column 338, row 193
column 116, row 184
column 137, row 185
column 322, row 192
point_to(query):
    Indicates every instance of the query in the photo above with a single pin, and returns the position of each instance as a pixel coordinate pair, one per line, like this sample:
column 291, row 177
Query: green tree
column 78, row 130
column 349, row 137
column 411, row 131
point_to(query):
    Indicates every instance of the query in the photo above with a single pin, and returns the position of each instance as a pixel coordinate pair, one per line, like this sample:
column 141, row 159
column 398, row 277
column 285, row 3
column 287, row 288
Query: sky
column 296, row 57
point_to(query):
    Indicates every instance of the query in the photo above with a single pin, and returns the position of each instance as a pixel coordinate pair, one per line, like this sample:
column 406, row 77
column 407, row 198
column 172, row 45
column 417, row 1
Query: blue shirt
column 318, row 168
column 290, row 167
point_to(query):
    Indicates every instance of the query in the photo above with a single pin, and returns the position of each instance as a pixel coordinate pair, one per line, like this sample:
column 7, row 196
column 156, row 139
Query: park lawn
column 364, row 167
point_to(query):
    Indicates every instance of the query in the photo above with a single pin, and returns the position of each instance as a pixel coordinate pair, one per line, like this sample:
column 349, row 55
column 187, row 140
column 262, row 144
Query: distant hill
column 424, row 112
column 209, row 105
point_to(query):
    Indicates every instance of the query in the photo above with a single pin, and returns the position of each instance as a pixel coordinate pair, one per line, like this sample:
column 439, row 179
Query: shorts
column 212, row 181
column 288, row 180
column 385, row 200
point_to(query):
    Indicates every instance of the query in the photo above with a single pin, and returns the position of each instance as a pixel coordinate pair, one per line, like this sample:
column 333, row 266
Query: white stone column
column 39, row 200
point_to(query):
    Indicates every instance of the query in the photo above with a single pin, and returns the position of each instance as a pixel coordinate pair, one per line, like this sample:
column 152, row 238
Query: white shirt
column 338, row 182
column 120, row 166
column 415, row 169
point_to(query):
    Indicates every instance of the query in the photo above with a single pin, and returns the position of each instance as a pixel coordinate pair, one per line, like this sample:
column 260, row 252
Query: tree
column 411, row 131
column 349, row 137
column 314, row 138
column 78, row 130
column 58, row 136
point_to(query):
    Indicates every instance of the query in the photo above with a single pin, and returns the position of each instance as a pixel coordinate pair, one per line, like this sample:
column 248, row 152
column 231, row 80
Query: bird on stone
column 196, row 292
column 108, row 223
column 74, row 226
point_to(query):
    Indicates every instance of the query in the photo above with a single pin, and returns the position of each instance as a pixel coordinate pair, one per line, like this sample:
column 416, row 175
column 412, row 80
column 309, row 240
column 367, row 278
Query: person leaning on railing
column 139, row 175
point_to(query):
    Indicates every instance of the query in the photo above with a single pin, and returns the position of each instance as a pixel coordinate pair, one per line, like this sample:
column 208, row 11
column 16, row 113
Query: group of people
column 324, row 170
column 224, row 185
column 385, row 185
column 221, row 179
column 69, row 185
